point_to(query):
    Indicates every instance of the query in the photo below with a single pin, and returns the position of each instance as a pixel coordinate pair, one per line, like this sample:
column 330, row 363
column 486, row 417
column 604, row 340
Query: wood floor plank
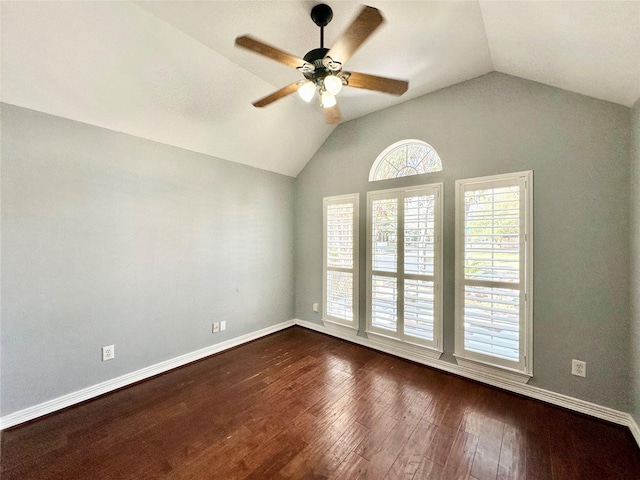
column 332, row 421
column 441, row 405
column 379, row 432
column 512, row 462
column 299, row 404
column 320, row 459
column 334, row 377
column 352, row 468
column 269, row 458
column 438, row 451
column 463, row 451
column 487, row 457
column 385, row 455
column 411, row 455
column 563, row 458
column 428, row 470
column 326, row 398
column 224, row 457
column 538, row 456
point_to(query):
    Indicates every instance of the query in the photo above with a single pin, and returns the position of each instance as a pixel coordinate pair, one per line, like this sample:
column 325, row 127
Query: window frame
column 522, row 370
column 434, row 348
column 330, row 320
column 382, row 158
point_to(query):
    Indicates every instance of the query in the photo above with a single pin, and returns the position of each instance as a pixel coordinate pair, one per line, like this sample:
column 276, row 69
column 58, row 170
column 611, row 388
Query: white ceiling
column 169, row 71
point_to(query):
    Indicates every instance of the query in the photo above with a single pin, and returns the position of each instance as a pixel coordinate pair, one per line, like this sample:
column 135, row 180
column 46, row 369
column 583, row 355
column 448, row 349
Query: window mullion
column 524, row 271
column 340, row 269
column 492, row 284
column 383, row 273
column 420, row 276
column 400, row 265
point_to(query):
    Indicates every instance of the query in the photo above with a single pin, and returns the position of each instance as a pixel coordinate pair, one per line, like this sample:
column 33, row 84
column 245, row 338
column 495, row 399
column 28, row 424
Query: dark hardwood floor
column 299, row 404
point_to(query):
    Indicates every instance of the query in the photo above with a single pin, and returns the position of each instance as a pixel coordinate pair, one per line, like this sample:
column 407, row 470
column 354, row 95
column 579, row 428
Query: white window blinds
column 404, row 265
column 493, row 269
column 340, row 304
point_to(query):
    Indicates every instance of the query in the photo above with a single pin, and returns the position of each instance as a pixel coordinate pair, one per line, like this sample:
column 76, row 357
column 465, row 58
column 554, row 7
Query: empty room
column 288, row 239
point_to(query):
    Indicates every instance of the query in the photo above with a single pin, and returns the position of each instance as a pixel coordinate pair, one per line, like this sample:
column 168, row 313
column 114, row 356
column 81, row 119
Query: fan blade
column 360, row 29
column 283, row 92
column 268, row 51
column 380, row 84
column 332, row 114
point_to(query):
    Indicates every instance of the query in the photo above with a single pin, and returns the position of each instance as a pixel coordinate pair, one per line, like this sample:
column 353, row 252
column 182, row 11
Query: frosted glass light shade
column 307, row 90
column 328, row 100
column 332, row 84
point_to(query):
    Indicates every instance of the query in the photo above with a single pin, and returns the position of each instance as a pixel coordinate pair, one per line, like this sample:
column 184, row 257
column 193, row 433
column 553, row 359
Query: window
column 404, row 266
column 403, row 159
column 340, row 269
column 494, row 323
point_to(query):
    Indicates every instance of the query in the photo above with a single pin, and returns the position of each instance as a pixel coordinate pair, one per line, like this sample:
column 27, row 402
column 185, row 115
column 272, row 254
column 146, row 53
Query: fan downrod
column 321, row 15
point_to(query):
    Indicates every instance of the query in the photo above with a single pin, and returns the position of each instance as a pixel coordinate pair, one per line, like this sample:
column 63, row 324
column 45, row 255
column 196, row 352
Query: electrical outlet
column 108, row 353
column 223, row 325
column 316, row 307
column 578, row 368
column 216, row 327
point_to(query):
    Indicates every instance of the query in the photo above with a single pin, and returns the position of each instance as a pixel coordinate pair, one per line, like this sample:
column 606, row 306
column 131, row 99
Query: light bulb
column 328, row 100
column 332, row 84
column 307, row 90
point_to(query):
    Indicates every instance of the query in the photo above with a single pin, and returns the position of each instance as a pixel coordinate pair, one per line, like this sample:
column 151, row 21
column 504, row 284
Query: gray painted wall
column 578, row 148
column 635, row 262
column 112, row 239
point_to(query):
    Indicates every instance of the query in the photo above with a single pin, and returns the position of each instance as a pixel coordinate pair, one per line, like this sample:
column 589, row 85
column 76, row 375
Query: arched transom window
column 403, row 159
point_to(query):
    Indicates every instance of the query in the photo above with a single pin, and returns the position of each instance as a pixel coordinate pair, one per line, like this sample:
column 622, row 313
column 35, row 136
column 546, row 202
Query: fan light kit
column 322, row 67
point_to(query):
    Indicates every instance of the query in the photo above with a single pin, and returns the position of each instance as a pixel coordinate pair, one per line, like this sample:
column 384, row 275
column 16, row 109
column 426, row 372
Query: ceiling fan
column 322, row 67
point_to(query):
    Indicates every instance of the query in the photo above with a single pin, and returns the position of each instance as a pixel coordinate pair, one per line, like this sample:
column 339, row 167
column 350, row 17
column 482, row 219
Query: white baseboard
column 558, row 399
column 635, row 431
column 88, row 393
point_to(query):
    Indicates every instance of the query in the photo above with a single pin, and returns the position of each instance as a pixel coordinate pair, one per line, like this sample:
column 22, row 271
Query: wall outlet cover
column 578, row 368
column 108, row 353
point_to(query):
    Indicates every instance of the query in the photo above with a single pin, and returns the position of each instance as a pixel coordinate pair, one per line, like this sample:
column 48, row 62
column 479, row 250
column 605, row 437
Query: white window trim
column 329, row 321
column 521, row 371
column 398, row 339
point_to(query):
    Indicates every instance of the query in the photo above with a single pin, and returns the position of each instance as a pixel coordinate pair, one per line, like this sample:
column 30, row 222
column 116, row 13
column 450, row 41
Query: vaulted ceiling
column 169, row 71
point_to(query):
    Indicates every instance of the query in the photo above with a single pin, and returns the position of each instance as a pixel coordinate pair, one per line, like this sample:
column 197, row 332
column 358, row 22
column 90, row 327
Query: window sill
column 340, row 327
column 411, row 351
column 479, row 368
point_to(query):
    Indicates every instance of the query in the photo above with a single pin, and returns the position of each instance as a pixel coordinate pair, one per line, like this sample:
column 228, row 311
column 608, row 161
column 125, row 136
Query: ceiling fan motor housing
column 314, row 57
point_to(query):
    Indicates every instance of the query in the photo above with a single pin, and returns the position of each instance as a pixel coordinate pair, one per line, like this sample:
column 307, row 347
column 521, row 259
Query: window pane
column 340, row 294
column 419, row 234
column 397, row 158
column 416, row 154
column 403, row 159
column 492, row 234
column 418, row 308
column 384, row 294
column 340, row 235
column 492, row 322
column 384, row 241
